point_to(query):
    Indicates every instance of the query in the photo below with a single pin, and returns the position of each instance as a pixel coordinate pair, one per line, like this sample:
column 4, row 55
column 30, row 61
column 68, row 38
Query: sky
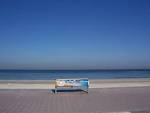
column 74, row 34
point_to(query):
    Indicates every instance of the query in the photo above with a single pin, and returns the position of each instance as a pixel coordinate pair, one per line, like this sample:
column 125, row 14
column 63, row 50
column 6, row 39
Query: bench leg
column 55, row 90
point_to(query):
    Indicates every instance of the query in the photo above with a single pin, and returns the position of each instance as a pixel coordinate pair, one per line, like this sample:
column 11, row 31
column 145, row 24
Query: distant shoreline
column 91, row 80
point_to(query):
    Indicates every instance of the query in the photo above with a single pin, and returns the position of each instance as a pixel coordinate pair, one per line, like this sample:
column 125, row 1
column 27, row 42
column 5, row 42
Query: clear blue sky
column 74, row 34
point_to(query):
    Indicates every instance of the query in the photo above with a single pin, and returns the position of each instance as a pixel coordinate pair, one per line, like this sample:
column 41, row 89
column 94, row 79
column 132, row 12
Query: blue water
column 54, row 74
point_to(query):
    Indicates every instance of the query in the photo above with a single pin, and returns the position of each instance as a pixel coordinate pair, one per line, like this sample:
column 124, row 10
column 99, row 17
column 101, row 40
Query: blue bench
column 81, row 84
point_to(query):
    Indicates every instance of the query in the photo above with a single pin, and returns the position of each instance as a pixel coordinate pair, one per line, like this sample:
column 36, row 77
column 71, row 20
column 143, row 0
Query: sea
column 55, row 74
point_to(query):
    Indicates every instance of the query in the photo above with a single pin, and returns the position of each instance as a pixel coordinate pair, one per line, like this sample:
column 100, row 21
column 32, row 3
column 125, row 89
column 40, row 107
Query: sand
column 100, row 83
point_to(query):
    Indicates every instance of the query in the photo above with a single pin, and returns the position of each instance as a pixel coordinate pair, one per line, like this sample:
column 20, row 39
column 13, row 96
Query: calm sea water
column 54, row 74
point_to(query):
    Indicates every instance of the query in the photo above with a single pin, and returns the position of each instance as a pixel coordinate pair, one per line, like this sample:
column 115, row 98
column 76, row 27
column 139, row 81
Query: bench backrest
column 82, row 84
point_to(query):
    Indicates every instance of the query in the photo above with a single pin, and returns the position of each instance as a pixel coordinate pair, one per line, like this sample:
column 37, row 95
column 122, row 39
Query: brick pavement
column 97, row 101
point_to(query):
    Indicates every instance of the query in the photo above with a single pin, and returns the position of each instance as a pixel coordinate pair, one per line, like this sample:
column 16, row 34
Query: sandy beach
column 49, row 84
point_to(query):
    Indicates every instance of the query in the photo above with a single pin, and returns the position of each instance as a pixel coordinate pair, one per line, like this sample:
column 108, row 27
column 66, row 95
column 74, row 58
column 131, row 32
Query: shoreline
column 94, row 83
column 120, row 80
column 93, row 80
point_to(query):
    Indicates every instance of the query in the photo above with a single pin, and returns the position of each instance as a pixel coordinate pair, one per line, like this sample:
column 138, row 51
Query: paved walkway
column 97, row 101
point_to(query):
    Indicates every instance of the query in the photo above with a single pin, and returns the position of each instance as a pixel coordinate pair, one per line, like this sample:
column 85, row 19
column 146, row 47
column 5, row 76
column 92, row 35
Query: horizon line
column 75, row 69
